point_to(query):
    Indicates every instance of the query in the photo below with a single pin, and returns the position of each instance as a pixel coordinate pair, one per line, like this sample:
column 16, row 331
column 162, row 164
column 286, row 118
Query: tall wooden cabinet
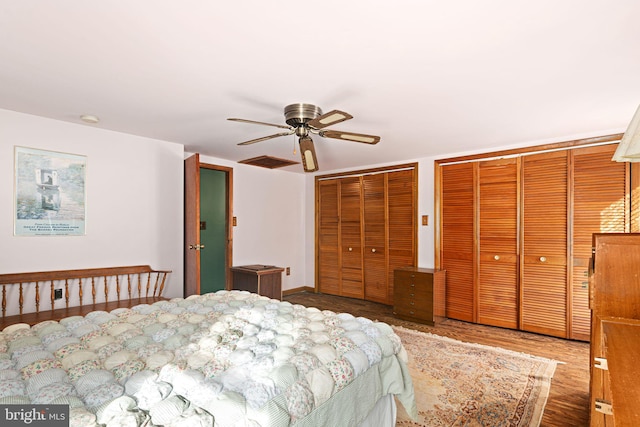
column 366, row 228
column 615, row 332
column 514, row 235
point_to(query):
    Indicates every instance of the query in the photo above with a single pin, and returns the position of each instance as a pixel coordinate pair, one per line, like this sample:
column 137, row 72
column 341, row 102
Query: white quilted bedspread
column 230, row 357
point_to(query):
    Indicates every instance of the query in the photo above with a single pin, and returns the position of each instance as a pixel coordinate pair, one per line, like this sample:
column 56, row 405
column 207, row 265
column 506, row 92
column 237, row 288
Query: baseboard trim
column 298, row 290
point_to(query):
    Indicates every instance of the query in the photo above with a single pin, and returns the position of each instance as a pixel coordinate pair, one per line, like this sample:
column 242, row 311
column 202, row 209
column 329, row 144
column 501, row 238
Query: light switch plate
column 425, row 219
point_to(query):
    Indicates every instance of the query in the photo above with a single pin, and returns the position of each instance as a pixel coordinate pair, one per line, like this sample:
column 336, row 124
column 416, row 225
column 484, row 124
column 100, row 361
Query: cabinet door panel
column 622, row 347
column 498, row 242
column 457, row 241
column 544, row 275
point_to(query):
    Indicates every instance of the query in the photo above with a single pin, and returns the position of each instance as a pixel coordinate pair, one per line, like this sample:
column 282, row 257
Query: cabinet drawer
column 421, row 299
column 414, row 314
column 408, row 277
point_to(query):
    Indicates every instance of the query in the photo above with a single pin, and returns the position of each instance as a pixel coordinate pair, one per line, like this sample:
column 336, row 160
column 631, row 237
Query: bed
column 230, row 358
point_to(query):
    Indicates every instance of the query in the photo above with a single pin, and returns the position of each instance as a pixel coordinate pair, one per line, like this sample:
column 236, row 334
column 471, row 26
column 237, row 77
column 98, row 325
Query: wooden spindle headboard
column 143, row 285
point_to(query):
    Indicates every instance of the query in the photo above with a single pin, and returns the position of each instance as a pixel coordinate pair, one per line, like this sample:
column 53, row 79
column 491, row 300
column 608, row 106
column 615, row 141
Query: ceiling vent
column 268, row 162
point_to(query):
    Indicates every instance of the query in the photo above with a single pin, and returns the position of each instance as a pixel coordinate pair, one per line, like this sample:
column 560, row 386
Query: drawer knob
column 413, row 285
column 412, row 303
column 496, row 257
column 412, row 294
column 411, row 312
column 543, row 259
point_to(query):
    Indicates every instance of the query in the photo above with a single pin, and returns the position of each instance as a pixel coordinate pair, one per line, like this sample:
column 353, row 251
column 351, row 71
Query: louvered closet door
column 457, row 239
column 351, row 237
column 401, row 208
column 599, row 206
column 498, row 242
column 328, row 237
column 544, row 272
column 375, row 238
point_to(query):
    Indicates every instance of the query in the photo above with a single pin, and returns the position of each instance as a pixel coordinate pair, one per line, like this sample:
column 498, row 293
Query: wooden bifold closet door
column 366, row 227
column 327, row 243
column 543, row 306
column 498, row 242
column 515, row 235
column 375, row 238
column 458, row 244
column 351, row 238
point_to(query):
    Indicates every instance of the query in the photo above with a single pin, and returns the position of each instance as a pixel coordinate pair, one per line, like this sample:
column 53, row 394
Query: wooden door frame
column 191, row 282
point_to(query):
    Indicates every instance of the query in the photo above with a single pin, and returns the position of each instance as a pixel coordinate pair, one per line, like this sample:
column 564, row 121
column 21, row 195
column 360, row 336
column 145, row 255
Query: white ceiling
column 432, row 78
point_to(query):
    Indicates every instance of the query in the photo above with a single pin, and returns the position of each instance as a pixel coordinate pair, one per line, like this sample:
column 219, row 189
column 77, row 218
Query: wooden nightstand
column 262, row 279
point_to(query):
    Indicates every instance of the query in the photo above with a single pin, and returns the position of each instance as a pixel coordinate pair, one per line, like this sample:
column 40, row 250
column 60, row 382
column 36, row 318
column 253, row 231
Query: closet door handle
column 543, row 259
column 373, row 250
column 496, row 257
column 350, row 249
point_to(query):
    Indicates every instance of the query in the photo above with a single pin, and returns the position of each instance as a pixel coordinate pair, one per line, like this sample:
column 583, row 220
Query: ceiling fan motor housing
column 299, row 114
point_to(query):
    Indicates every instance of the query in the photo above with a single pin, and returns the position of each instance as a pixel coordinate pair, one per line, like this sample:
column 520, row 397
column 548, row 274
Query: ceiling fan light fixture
column 308, row 153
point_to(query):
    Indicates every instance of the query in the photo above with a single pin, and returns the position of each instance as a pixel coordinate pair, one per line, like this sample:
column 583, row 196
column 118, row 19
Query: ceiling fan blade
column 264, row 138
column 308, row 153
column 233, row 119
column 350, row 136
column 328, row 119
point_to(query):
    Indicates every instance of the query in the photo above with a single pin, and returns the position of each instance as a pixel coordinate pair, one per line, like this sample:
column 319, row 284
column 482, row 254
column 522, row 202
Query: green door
column 213, row 229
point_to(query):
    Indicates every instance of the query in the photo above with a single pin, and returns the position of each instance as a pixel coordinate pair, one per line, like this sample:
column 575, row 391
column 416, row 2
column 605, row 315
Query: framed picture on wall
column 50, row 193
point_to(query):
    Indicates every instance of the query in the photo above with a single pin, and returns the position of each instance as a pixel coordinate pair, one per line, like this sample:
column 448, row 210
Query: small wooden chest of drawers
column 419, row 294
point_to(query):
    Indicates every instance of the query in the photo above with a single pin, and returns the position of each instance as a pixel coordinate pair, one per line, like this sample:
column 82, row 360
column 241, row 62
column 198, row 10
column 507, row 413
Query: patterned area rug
column 462, row 384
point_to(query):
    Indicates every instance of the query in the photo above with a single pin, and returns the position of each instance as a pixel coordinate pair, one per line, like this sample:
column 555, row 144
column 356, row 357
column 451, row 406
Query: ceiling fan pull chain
column 294, row 146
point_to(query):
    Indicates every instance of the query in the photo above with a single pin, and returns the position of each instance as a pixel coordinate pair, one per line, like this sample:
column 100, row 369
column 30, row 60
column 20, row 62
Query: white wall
column 134, row 206
column 269, row 205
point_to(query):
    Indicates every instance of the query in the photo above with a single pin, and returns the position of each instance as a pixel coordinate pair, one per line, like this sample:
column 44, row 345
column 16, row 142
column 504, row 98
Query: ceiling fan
column 303, row 119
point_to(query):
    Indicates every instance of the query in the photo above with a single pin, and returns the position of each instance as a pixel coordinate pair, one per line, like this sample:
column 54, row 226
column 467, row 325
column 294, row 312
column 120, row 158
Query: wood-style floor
column 567, row 404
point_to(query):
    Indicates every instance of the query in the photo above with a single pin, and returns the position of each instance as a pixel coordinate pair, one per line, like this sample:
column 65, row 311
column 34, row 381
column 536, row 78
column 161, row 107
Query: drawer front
column 407, row 283
column 416, row 313
column 413, row 301
column 421, row 279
